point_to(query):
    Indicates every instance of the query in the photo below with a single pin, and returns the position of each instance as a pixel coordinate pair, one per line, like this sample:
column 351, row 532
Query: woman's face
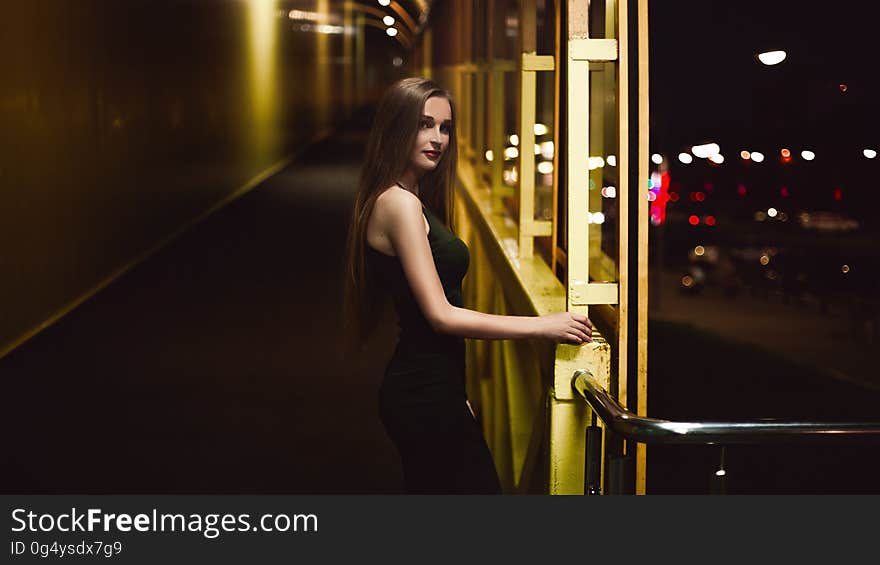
column 435, row 127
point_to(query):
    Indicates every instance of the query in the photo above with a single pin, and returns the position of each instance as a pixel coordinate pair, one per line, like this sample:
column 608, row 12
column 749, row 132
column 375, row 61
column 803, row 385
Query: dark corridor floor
column 213, row 366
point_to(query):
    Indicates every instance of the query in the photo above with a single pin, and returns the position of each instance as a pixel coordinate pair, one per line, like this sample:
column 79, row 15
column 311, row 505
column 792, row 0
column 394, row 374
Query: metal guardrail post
column 593, row 460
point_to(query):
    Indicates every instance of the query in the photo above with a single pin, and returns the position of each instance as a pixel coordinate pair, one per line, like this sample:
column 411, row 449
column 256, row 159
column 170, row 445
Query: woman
column 401, row 242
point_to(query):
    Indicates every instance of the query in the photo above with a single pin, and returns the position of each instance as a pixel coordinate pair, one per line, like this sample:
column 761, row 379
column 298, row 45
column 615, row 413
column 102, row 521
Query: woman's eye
column 425, row 125
column 445, row 128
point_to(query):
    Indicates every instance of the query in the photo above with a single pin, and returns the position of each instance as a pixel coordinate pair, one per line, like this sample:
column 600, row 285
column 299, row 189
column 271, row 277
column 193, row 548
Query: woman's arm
column 400, row 216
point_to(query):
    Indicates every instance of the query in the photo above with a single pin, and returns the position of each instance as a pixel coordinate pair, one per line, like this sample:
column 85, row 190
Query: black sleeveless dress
column 422, row 400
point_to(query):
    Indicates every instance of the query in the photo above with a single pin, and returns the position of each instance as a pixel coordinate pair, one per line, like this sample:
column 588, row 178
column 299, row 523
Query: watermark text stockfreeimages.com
column 209, row 525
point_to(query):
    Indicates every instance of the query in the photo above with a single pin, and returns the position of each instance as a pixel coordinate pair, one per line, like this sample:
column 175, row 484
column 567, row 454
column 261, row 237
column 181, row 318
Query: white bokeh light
column 772, row 57
column 706, row 150
column 685, row 158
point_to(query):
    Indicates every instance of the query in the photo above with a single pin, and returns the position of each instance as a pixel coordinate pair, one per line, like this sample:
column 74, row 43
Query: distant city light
column 694, row 220
column 710, row 220
column 772, row 57
column 808, row 155
column 765, row 259
column 537, row 150
column 388, row 20
column 595, row 218
column 772, row 212
column 596, row 163
column 745, row 155
column 656, row 158
column 384, row 2
column 391, row 31
column 514, row 139
column 844, row 269
column 785, row 152
column 545, row 167
column 699, row 250
column 717, row 159
column 869, row 153
column 706, row 150
column 720, row 473
column 397, row 61
column 489, row 155
column 685, row 158
column 511, row 153
column 611, row 160
column 547, row 150
column 760, row 216
column 609, row 192
column 687, row 281
column 757, row 157
column 541, row 129
column 652, row 196
column 843, row 87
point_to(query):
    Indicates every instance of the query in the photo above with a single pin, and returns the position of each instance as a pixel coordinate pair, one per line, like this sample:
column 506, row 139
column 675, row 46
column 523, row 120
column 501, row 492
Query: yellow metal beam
column 583, row 49
column 536, row 228
column 584, row 294
column 532, row 62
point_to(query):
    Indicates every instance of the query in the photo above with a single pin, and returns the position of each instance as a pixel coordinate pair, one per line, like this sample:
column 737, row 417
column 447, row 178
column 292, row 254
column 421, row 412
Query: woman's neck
column 410, row 181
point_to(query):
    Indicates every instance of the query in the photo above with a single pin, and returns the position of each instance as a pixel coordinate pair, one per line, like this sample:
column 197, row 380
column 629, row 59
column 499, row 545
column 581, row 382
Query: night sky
column 706, row 84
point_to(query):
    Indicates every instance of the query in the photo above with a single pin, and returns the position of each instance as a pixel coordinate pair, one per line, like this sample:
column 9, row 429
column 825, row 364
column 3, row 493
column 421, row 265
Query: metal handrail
column 651, row 430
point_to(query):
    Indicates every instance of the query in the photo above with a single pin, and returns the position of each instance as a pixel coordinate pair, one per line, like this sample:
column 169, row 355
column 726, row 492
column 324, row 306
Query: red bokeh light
column 838, row 194
column 694, row 220
column 741, row 190
column 673, row 196
column 710, row 220
column 784, row 192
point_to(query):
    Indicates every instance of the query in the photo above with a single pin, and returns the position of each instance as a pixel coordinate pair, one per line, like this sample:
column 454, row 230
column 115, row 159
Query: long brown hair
column 387, row 157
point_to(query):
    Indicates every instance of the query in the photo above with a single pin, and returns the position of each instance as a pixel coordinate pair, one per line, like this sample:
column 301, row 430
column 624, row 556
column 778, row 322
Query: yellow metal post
column 359, row 59
column 426, row 54
column 347, row 57
column 527, row 129
column 644, row 175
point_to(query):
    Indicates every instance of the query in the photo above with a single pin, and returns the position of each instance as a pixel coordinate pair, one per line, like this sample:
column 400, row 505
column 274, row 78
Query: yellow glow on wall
column 262, row 61
column 323, row 96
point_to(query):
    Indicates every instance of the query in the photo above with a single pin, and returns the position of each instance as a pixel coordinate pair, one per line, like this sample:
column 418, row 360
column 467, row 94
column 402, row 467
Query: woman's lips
column 433, row 155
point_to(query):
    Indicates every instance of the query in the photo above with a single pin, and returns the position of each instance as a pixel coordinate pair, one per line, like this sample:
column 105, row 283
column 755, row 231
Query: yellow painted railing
column 522, row 389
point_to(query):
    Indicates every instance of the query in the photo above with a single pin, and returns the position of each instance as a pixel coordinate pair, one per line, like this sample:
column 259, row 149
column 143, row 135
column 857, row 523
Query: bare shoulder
column 395, row 201
column 396, row 206
column 394, row 209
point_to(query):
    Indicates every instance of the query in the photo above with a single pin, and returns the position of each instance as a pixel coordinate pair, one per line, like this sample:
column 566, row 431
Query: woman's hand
column 566, row 327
